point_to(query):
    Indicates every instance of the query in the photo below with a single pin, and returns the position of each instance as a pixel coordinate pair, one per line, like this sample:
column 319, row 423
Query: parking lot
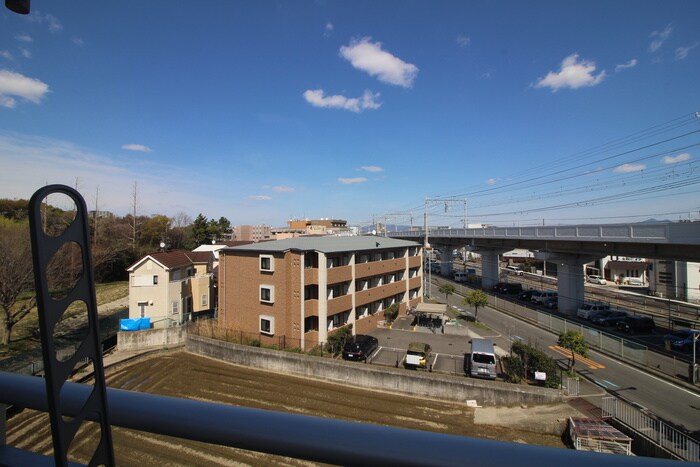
column 448, row 349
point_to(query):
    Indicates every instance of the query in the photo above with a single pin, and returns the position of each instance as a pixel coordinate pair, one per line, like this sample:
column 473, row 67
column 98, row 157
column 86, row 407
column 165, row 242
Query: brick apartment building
column 303, row 288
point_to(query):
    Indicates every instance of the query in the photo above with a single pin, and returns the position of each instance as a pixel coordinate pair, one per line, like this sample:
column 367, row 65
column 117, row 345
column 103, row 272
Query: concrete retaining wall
column 151, row 338
column 456, row 389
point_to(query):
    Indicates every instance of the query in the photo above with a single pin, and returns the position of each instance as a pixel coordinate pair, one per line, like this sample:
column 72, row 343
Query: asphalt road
column 670, row 402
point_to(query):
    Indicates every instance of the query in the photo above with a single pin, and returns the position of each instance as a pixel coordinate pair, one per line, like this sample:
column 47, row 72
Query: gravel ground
column 186, row 375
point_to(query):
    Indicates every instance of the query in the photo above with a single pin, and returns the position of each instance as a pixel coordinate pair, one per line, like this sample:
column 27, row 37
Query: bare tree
column 16, row 276
column 181, row 219
column 133, row 222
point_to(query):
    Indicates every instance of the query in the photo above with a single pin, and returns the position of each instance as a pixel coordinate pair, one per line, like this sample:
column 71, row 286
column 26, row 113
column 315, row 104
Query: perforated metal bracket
column 44, row 247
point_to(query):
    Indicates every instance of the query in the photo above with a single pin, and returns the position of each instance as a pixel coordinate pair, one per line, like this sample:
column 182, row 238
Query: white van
column 588, row 309
column 514, row 270
column 482, row 359
column 543, row 296
column 460, row 276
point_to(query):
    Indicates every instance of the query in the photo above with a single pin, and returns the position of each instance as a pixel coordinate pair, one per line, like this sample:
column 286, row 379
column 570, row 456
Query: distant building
column 327, row 223
column 168, row 286
column 301, row 289
column 252, row 233
column 100, row 214
column 678, row 280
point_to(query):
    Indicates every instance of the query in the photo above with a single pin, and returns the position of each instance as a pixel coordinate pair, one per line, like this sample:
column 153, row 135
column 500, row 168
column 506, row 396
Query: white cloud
column 17, row 85
column 371, row 168
column 627, row 168
column 659, row 38
column 137, row 147
column 260, row 197
column 6, row 55
column 24, row 38
column 283, row 189
column 491, row 181
column 369, row 56
column 682, row 52
column 463, row 41
column 53, row 23
column 351, row 181
column 78, row 41
column 675, row 160
column 317, row 98
column 631, row 64
column 26, row 53
column 573, row 74
column 328, row 29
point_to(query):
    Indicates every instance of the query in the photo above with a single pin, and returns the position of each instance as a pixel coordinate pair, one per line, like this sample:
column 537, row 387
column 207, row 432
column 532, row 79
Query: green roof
column 327, row 244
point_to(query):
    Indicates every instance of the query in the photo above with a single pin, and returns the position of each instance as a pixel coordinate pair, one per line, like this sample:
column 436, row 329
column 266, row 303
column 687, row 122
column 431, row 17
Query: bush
column 336, row 341
column 513, row 368
column 391, row 313
column 534, row 360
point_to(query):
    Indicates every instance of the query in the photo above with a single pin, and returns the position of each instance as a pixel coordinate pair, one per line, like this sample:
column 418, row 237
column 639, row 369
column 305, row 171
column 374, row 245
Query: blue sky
column 267, row 110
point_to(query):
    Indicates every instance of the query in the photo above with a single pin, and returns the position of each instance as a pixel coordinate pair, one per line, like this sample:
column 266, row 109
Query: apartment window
column 311, row 292
column 333, row 262
column 204, row 300
column 311, row 260
column 311, row 323
column 176, row 308
column 142, row 306
column 267, row 325
column 155, row 279
column 267, row 293
column 361, row 312
column 266, row 263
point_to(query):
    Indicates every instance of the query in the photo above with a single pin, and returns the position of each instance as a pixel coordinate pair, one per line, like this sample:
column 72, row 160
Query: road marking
column 611, row 383
column 600, row 384
column 579, row 358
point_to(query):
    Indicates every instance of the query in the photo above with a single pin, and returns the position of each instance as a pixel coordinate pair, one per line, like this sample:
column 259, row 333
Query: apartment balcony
column 414, row 261
column 310, row 308
column 365, row 297
column 339, row 274
column 376, row 268
column 336, row 305
column 415, row 282
column 310, row 276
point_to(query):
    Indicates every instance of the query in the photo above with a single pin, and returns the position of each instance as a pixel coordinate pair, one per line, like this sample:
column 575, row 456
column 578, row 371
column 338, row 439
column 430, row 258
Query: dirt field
column 185, row 375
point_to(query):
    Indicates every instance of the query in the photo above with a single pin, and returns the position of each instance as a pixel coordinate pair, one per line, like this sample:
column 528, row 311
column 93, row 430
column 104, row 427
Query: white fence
column 652, row 428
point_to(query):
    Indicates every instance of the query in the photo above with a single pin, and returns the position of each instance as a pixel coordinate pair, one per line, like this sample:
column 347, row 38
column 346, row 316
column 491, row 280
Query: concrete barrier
column 416, row 383
column 151, row 338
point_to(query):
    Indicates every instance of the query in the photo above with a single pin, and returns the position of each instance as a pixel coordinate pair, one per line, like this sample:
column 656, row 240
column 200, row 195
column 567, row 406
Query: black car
column 511, row 289
column 527, row 295
column 608, row 318
column 360, row 347
column 636, row 324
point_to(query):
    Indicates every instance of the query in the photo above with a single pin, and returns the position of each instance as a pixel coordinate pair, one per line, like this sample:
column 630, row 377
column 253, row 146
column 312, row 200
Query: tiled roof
column 326, row 244
column 176, row 258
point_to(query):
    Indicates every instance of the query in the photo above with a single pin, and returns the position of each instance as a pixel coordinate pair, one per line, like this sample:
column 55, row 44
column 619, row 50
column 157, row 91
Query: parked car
column 636, row 324
column 608, row 318
column 637, row 281
column 541, row 296
column 682, row 340
column 593, row 279
column 589, row 309
column 418, row 355
column 511, row 289
column 513, row 270
column 360, row 347
column 551, row 303
column 527, row 295
column 497, row 287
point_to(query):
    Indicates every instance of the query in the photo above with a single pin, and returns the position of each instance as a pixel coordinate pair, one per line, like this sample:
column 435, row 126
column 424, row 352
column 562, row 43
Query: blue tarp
column 136, row 324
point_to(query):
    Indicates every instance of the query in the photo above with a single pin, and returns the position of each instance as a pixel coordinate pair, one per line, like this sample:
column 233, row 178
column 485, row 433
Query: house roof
column 174, row 259
column 326, row 244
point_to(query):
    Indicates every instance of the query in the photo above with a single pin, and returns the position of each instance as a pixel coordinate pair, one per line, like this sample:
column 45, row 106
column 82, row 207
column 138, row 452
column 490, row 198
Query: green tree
column 476, row 298
column 447, row 289
column 573, row 341
column 391, row 312
column 153, row 231
column 200, row 230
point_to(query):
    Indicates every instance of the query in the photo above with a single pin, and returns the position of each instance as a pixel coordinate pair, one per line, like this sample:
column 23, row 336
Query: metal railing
column 652, row 428
column 299, row 436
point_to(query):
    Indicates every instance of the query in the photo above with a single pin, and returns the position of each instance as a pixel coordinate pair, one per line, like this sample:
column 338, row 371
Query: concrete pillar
column 570, row 279
column 489, row 267
column 445, row 260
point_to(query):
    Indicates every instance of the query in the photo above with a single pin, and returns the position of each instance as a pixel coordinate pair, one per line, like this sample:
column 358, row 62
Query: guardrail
column 652, row 428
column 299, row 436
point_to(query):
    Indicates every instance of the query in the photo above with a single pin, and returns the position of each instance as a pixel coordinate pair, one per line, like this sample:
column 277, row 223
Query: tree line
column 116, row 242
